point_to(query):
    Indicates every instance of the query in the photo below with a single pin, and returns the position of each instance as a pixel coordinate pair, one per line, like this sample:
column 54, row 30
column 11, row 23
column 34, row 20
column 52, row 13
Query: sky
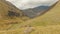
column 25, row 4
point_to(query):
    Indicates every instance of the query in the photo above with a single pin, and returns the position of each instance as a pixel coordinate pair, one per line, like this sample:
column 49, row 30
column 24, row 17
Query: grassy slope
column 49, row 23
column 49, row 18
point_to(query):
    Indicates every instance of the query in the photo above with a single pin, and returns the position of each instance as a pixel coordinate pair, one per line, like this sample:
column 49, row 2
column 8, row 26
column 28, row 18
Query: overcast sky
column 25, row 4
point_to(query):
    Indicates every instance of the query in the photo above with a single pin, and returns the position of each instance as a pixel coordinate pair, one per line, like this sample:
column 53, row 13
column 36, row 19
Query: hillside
column 5, row 7
column 48, row 23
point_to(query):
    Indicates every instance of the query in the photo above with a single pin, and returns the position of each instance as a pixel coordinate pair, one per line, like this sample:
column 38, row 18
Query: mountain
column 49, row 23
column 34, row 12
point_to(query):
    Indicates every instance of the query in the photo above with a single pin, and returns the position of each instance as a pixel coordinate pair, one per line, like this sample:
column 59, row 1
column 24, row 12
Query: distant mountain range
column 33, row 12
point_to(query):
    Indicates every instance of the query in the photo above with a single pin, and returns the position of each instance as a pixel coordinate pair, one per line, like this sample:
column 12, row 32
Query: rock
column 28, row 30
column 11, row 13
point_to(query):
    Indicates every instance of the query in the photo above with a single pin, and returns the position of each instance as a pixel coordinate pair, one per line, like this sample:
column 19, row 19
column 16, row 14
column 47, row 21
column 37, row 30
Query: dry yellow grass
column 52, row 29
column 49, row 23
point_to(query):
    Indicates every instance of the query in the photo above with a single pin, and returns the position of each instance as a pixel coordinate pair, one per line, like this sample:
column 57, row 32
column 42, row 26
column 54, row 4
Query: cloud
column 25, row 4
